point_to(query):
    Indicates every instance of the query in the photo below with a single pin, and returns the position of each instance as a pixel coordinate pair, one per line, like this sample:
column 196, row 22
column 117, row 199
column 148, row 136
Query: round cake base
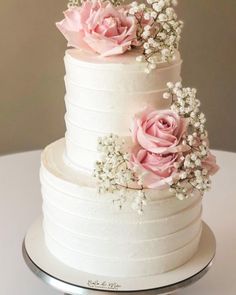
column 71, row 281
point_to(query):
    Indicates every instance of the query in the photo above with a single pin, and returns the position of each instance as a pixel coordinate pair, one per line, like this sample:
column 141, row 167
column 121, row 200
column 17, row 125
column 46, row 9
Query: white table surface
column 20, row 204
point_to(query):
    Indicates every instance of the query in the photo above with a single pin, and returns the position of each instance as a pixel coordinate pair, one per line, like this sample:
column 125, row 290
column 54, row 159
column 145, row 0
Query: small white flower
column 151, row 41
column 170, row 11
column 178, row 85
column 193, row 157
column 148, row 51
column 153, row 66
column 165, row 52
column 147, row 28
column 166, row 27
column 201, row 116
column 180, row 196
column 198, row 162
column 178, row 31
column 187, row 163
column 170, row 85
column 153, row 14
column 183, row 175
column 194, row 91
column 134, row 3
column 155, row 44
column 179, row 93
column 172, row 39
column 203, row 152
column 193, row 115
column 190, row 137
column 139, row 58
column 162, row 36
column 166, row 95
column 147, row 16
column 142, row 6
column 146, row 34
column 181, row 109
column 157, row 7
column 162, row 3
column 204, row 172
column 162, row 17
column 132, row 11
column 197, row 173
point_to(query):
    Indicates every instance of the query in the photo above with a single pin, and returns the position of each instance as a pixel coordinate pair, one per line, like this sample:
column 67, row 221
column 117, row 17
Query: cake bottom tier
column 89, row 232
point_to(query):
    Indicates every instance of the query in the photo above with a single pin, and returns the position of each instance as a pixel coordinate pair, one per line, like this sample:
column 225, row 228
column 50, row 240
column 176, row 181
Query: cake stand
column 71, row 281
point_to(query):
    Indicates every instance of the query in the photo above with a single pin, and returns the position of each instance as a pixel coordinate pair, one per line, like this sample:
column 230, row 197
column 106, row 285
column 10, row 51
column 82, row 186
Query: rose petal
column 157, row 170
column 210, row 164
column 75, row 39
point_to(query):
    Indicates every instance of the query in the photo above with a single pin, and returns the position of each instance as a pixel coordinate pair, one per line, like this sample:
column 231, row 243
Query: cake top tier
column 109, row 28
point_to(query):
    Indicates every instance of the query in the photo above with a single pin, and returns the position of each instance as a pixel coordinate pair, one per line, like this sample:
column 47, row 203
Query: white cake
column 122, row 191
column 86, row 230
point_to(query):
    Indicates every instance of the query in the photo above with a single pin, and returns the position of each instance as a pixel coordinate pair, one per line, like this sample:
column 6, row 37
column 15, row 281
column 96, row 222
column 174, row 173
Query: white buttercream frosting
column 102, row 96
column 87, row 231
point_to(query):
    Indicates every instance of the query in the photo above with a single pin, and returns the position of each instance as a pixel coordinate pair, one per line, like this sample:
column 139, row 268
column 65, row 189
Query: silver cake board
column 71, row 281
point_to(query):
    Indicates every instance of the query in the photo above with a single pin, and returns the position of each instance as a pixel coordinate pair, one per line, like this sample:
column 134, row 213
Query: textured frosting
column 102, row 96
column 88, row 232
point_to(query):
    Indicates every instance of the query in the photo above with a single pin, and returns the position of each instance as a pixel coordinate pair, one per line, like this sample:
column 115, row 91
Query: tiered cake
column 118, row 196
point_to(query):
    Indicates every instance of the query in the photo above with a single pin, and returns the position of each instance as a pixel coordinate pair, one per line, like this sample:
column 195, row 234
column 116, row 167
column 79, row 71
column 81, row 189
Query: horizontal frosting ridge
column 195, row 221
column 63, row 244
column 188, row 209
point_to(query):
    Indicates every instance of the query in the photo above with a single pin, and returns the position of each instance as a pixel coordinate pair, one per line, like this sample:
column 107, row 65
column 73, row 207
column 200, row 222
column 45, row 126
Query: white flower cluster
column 73, row 3
column 159, row 31
column 116, row 2
column 113, row 173
column 192, row 175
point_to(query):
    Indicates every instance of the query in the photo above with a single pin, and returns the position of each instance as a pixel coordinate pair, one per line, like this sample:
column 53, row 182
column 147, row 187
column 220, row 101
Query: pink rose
column 158, row 170
column 159, row 131
column 210, row 164
column 98, row 26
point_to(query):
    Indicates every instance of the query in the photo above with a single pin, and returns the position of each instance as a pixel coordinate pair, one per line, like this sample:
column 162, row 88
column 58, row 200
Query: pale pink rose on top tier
column 159, row 131
column 158, row 170
column 210, row 164
column 99, row 26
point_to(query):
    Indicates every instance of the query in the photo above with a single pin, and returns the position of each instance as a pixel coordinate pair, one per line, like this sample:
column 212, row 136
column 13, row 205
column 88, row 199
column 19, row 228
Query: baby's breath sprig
column 113, row 172
column 73, row 3
column 116, row 2
column 158, row 31
column 192, row 175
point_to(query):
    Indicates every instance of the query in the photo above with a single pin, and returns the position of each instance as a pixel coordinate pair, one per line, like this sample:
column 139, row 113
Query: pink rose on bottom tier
column 158, row 171
column 99, row 27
